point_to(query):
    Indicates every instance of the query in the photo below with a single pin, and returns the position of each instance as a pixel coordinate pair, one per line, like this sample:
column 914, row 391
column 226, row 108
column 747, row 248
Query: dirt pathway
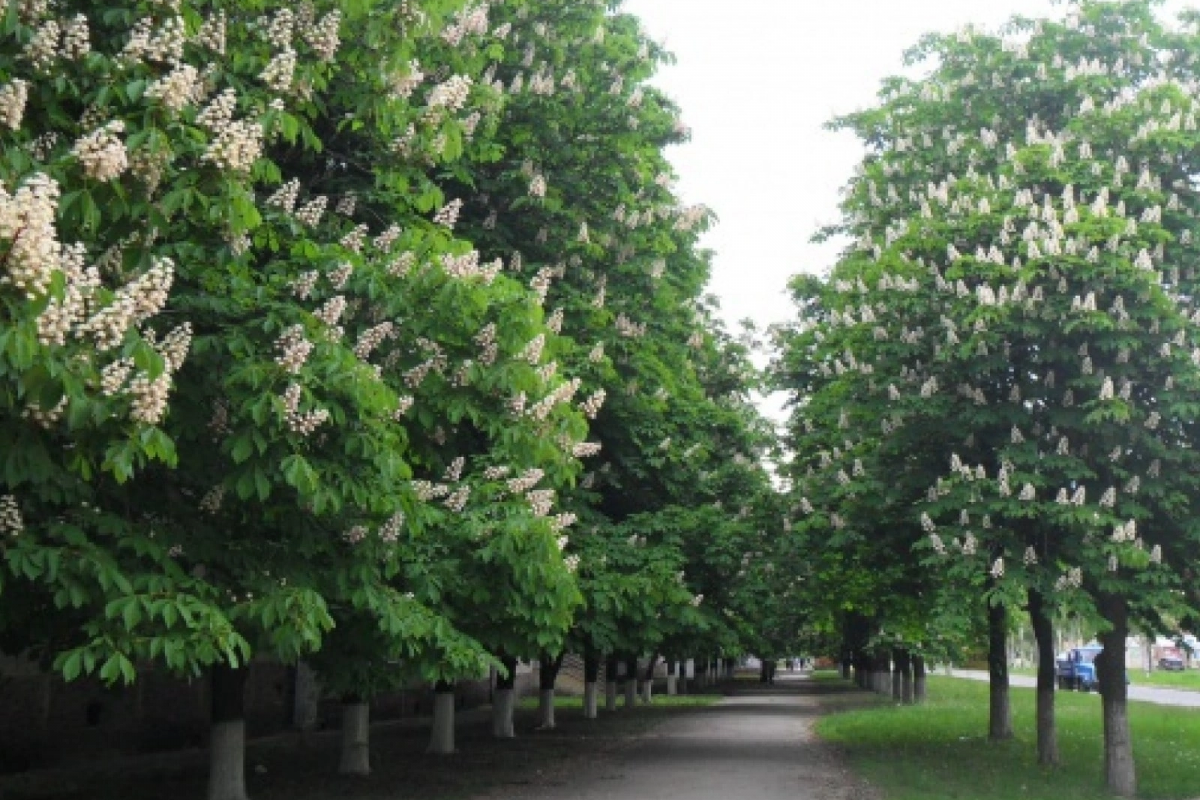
column 756, row 745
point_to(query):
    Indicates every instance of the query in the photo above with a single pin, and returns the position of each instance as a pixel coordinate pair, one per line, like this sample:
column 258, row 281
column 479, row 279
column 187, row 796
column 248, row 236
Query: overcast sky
column 757, row 81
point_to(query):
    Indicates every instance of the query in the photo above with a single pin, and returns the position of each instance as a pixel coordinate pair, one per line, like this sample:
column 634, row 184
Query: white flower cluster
column 311, row 212
column 285, row 196
column 496, row 473
column 303, row 286
column 27, row 220
column 339, row 277
column 174, row 348
column 43, row 47
column 447, row 215
column 372, row 338
column 164, row 44
column 212, row 500
column 280, row 72
column 356, row 534
column 997, row 570
column 149, row 398
column 294, row 349
column 541, row 283
column 102, row 153
column 1126, row 532
column 236, row 146
column 404, row 404
column 454, row 470
column 303, row 423
column 457, row 501
column 323, row 37
column 332, row 310
column 1071, row 579
column 541, row 501
column 532, row 351
column 450, row 95
column 403, row 85
column 537, row 186
column 486, row 340
column 586, row 449
column 134, row 303
column 390, row 532
column 385, row 240
column 559, row 523
column 177, row 89
column 13, row 97
column 212, row 33
column 11, row 522
column 629, row 328
column 559, row 396
column 526, row 481
column 592, row 405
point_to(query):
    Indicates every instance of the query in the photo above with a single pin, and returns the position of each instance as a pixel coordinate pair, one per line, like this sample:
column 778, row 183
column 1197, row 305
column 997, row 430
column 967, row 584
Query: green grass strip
column 940, row 751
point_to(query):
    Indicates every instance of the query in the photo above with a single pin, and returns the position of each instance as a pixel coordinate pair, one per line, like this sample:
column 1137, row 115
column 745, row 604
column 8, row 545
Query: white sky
column 757, row 80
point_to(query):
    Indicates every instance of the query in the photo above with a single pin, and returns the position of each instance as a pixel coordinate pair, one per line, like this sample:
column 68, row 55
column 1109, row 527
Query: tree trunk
column 920, row 687
column 648, row 686
column 356, row 737
column 897, row 677
column 306, row 700
column 547, row 675
column 441, row 738
column 1043, row 634
column 591, row 674
column 504, row 700
column 1119, row 773
column 631, row 682
column 999, row 709
column 227, row 743
column 672, row 681
column 610, row 684
column 904, row 664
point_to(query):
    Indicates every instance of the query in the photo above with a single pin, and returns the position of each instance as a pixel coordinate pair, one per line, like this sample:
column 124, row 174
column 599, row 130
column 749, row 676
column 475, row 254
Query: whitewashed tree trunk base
column 631, row 688
column 227, row 761
column 546, row 709
column 503, row 702
column 610, row 696
column 647, row 691
column 672, row 686
column 590, row 710
column 356, row 739
column 441, row 738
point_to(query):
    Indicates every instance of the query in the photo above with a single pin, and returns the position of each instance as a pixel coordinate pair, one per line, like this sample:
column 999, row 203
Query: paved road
column 758, row 745
column 1147, row 694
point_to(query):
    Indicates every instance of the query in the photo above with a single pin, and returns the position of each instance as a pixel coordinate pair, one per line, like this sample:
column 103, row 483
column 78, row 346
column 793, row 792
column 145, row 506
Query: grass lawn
column 940, row 751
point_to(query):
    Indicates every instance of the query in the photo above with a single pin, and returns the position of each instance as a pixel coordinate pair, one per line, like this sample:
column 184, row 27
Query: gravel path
column 756, row 745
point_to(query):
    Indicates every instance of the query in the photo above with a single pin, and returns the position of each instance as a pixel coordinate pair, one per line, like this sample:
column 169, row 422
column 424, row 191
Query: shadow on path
column 757, row 744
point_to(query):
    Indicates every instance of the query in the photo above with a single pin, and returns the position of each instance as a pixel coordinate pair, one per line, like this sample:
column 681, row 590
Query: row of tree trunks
column 227, row 780
column 899, row 675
